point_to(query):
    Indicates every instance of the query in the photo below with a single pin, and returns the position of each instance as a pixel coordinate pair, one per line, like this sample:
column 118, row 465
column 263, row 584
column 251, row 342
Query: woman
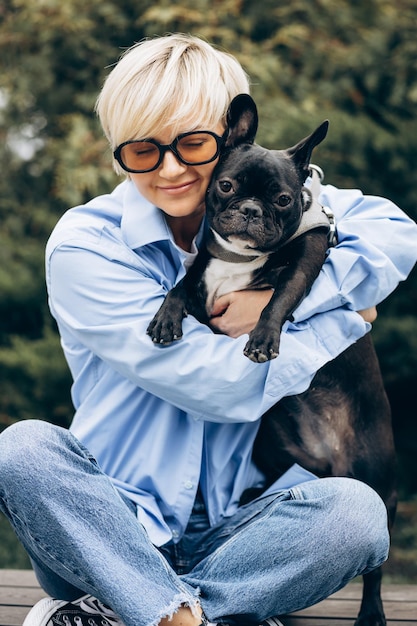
column 137, row 506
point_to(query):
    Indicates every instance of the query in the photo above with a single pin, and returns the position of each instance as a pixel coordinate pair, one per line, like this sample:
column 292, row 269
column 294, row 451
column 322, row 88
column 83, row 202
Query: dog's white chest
column 222, row 277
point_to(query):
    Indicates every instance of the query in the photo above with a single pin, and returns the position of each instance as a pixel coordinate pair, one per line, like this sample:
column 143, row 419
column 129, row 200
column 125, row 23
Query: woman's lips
column 174, row 190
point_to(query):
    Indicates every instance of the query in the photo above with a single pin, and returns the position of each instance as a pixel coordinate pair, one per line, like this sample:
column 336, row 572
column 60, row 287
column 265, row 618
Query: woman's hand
column 369, row 315
column 238, row 312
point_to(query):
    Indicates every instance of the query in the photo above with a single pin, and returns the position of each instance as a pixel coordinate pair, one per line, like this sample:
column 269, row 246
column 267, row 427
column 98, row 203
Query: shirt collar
column 142, row 222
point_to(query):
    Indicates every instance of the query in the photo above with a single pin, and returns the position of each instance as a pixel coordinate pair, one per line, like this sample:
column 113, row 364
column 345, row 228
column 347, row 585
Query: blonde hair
column 177, row 81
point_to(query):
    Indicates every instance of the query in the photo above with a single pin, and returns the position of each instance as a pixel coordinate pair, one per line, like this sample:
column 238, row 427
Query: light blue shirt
column 161, row 420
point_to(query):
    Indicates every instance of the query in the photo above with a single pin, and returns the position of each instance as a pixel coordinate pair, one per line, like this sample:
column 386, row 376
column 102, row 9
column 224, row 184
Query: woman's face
column 177, row 189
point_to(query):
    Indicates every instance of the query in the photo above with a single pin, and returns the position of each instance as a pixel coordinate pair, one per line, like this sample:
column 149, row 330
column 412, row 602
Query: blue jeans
column 276, row 555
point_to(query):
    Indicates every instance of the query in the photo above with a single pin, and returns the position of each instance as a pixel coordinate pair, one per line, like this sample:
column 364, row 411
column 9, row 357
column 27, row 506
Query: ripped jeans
column 275, row 555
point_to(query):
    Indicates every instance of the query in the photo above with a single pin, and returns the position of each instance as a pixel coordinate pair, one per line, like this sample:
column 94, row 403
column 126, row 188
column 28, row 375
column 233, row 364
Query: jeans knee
column 23, row 448
column 365, row 518
column 350, row 518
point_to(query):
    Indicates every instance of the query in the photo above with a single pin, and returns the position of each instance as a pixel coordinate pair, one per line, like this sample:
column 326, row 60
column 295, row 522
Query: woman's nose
column 171, row 167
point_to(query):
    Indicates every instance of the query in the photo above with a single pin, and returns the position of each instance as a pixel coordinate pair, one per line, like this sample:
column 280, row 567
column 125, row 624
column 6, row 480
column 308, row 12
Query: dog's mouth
column 252, row 232
column 246, row 248
column 243, row 244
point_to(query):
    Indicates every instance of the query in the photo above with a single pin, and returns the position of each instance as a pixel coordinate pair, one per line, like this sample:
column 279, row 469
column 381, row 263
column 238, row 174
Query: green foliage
column 402, row 563
column 34, row 380
column 350, row 61
column 12, row 554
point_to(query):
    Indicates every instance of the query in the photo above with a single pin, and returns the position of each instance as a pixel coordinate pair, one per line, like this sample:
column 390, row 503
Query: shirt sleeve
column 377, row 248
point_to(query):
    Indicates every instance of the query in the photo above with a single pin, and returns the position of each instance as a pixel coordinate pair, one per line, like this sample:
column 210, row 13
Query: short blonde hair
column 177, row 81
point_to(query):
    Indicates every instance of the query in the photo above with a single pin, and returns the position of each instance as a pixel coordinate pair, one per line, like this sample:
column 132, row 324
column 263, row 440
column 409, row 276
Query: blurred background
column 353, row 62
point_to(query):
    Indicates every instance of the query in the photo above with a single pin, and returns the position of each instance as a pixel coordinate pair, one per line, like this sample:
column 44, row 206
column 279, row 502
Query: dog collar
column 316, row 215
column 217, row 251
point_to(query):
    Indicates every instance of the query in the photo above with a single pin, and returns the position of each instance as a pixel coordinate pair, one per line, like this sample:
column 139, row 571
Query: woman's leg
column 289, row 551
column 78, row 531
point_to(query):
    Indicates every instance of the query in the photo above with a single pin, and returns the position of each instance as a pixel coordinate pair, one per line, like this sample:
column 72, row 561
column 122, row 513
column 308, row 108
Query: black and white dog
column 254, row 207
column 257, row 208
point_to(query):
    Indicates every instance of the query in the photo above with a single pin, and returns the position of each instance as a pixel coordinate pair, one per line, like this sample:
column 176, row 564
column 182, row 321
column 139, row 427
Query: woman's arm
column 377, row 248
column 103, row 296
column 103, row 306
column 238, row 312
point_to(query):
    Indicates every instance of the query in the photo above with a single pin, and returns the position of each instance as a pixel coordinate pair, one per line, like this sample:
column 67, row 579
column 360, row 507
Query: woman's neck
column 184, row 230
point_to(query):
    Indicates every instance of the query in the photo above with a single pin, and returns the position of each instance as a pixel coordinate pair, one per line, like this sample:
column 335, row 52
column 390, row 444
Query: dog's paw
column 261, row 348
column 376, row 618
column 164, row 330
column 371, row 620
column 259, row 356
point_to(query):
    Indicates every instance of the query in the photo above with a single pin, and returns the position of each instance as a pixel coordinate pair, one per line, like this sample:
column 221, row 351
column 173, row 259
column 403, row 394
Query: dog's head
column 256, row 199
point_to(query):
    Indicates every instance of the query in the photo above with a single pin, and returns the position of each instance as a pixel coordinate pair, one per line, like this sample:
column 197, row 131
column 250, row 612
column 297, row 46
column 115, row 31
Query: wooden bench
column 19, row 591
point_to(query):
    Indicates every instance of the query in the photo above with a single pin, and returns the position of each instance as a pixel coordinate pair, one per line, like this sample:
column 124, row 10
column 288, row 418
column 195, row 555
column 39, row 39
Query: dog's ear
column 301, row 152
column 242, row 121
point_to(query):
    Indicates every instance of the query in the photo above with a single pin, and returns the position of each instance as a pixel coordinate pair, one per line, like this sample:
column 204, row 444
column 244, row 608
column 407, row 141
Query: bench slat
column 19, row 591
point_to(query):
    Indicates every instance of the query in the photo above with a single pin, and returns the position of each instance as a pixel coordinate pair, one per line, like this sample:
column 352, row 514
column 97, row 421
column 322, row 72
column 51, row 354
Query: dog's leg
column 166, row 326
column 303, row 260
column 371, row 612
column 187, row 297
column 340, row 426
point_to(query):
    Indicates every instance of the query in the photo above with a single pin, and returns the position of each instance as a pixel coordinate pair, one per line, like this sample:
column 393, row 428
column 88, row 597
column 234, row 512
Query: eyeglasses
column 194, row 148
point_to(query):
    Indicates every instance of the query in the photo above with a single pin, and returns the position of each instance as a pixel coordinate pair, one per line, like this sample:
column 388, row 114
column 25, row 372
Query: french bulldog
column 256, row 207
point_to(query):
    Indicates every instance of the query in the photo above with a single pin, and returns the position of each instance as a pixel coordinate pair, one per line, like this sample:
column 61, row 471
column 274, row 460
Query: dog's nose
column 250, row 209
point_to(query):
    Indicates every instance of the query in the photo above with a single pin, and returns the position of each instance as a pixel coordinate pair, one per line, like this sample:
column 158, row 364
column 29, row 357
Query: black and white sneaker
column 272, row 621
column 86, row 611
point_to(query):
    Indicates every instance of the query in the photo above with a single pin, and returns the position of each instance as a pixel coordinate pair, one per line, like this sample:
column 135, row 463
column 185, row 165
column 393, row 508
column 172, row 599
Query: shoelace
column 91, row 605
column 272, row 621
column 81, row 620
column 87, row 611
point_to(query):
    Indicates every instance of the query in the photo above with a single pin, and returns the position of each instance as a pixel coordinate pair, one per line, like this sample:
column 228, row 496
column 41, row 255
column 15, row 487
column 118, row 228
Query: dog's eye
column 284, row 200
column 225, row 186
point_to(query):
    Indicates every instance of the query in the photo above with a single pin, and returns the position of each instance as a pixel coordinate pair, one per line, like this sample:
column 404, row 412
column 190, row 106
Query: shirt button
column 188, row 484
column 175, row 533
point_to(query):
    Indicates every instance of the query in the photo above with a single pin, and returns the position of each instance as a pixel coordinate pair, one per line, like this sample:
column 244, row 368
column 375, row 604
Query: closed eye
column 192, row 143
column 141, row 151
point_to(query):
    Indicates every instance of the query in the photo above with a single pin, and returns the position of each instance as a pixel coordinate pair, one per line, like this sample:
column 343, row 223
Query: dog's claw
column 163, row 333
column 165, row 327
column 166, row 342
column 263, row 344
column 256, row 356
column 259, row 356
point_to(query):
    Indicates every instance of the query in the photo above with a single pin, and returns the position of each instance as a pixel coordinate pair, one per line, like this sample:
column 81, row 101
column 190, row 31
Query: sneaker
column 86, row 611
column 272, row 621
